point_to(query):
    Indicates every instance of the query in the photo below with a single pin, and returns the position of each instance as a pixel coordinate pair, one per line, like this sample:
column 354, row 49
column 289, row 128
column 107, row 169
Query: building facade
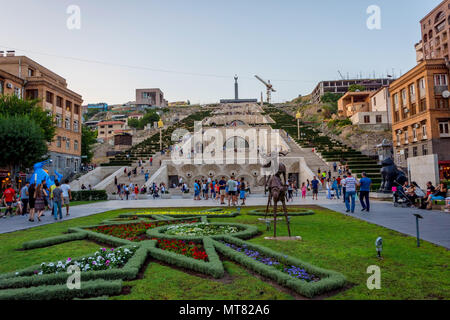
column 420, row 114
column 51, row 89
column 435, row 28
column 147, row 98
column 341, row 86
column 106, row 129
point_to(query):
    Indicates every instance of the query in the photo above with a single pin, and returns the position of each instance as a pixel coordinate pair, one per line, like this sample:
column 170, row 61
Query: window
column 58, row 119
column 442, row 103
column 398, row 138
column 1, row 87
column 102, row 132
column 404, row 97
column 375, row 101
column 67, row 163
column 67, row 123
column 406, row 153
column 68, row 106
column 443, row 129
column 415, row 152
column 414, row 134
column 68, row 144
column 396, row 102
column 75, row 125
column 440, row 80
column 110, row 126
column 412, row 93
column 17, row 92
column 424, row 150
column 75, row 145
column 31, row 94
column 424, row 130
column 49, row 97
column 423, row 105
column 77, row 109
column 59, row 101
column 30, row 72
column 379, row 118
column 406, row 135
column 366, row 119
column 58, row 141
column 422, row 87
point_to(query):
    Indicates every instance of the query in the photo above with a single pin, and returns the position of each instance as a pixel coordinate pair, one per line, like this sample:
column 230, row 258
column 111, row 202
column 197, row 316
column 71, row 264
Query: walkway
column 435, row 227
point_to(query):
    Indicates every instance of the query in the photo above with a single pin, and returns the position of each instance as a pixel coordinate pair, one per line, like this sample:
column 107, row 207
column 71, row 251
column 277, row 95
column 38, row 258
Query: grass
column 330, row 240
column 79, row 203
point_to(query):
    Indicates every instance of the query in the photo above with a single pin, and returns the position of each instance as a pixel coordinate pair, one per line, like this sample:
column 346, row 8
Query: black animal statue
column 391, row 175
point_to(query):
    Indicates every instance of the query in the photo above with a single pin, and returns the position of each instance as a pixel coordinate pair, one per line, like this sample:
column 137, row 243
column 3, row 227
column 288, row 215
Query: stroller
column 400, row 198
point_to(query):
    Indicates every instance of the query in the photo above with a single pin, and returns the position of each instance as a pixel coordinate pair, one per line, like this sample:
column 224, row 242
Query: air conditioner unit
column 9, row 85
column 64, row 138
column 406, row 110
column 416, row 126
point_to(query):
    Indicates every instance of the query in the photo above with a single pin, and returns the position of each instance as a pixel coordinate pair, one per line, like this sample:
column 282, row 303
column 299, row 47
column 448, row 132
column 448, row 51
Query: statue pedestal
column 295, row 238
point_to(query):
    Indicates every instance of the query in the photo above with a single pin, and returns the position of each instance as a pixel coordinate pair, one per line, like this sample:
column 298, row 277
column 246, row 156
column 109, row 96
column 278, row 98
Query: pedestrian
column 115, row 180
column 47, row 197
column 24, row 197
column 343, row 187
column 334, row 166
column 232, row 190
column 196, row 190
column 151, row 161
column 127, row 191
column 364, row 190
column 40, row 195
column 303, row 190
column 8, row 197
column 146, row 176
column 329, row 174
column 290, row 191
column 31, row 200
column 136, row 192
column 334, row 186
column 222, row 187
column 315, row 187
column 242, row 191
column 350, row 192
column 57, row 199
column 129, row 175
column 67, row 195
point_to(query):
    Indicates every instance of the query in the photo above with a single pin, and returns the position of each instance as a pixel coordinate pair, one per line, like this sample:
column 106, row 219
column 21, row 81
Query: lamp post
column 298, row 116
column 160, row 126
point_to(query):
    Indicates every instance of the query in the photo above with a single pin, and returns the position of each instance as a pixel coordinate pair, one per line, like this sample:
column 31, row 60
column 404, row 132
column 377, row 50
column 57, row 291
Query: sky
column 192, row 49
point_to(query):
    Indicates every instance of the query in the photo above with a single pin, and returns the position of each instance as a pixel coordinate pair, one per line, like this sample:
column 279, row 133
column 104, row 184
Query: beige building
column 147, row 98
column 421, row 114
column 51, row 89
column 107, row 129
column 435, row 32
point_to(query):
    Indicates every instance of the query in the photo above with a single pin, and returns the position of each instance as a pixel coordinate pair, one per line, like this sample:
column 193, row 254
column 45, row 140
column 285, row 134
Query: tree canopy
column 88, row 139
column 356, row 87
column 10, row 105
column 23, row 140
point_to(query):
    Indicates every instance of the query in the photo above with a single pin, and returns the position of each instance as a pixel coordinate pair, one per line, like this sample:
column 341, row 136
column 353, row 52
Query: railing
column 440, row 89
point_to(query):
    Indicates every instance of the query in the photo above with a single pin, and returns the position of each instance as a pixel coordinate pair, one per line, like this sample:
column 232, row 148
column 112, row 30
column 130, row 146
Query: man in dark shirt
column 315, row 187
column 222, row 184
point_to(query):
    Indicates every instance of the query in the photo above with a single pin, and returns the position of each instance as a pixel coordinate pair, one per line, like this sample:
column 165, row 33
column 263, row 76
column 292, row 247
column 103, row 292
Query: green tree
column 356, row 87
column 24, row 142
column 88, row 139
column 10, row 105
column 133, row 123
column 330, row 97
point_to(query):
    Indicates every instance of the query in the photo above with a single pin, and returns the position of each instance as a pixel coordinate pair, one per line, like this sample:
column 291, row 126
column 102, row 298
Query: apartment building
column 341, row 86
column 435, row 27
column 367, row 109
column 33, row 81
column 107, row 129
column 148, row 98
column 420, row 114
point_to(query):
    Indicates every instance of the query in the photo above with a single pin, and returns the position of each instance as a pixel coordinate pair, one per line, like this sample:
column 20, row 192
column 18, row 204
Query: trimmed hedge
column 329, row 280
column 41, row 243
column 61, row 292
column 89, row 195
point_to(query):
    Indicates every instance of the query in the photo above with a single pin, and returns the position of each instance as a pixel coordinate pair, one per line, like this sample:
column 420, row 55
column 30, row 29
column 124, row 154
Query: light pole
column 160, row 126
column 298, row 116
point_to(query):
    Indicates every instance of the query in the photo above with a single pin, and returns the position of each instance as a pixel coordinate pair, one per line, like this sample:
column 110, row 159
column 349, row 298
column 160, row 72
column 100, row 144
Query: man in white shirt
column 350, row 184
column 67, row 195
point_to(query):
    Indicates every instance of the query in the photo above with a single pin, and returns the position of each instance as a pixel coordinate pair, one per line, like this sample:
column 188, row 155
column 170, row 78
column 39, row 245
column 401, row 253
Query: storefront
column 444, row 170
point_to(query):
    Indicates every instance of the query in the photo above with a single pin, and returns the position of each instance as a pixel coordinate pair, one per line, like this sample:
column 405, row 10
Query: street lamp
column 298, row 116
column 160, row 126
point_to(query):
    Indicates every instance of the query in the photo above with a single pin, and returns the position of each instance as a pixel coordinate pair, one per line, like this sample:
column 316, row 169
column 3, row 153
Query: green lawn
column 330, row 240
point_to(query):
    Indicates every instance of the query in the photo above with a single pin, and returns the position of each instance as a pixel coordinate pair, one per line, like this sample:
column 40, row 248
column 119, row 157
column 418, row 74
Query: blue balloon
column 40, row 175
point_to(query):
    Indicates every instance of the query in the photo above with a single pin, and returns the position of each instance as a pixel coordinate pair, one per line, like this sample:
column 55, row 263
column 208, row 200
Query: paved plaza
column 433, row 228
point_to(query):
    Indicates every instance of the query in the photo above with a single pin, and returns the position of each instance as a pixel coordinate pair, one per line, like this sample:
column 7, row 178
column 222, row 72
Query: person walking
column 67, row 195
column 222, row 187
column 350, row 192
column 343, row 187
column 334, row 186
column 24, row 197
column 151, row 161
column 334, row 166
column 364, row 189
column 31, row 201
column 136, row 192
column 8, row 197
column 232, row 190
column 40, row 195
column 57, row 199
column 290, row 191
column 196, row 190
column 115, row 180
column 315, row 187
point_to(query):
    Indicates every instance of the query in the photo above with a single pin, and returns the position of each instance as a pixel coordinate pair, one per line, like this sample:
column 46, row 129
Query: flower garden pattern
column 135, row 238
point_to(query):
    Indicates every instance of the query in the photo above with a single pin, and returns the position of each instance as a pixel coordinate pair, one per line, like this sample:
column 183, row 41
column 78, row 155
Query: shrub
column 89, row 195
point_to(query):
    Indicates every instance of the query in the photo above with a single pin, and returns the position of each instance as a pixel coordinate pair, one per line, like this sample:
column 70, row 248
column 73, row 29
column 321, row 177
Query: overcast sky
column 123, row 45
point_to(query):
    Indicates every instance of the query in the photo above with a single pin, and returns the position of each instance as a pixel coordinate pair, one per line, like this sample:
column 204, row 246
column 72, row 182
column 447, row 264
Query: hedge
column 329, row 280
column 41, row 243
column 262, row 212
column 61, row 292
column 89, row 195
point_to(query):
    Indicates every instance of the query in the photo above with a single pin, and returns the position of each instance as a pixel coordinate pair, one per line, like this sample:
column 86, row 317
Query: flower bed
column 134, row 231
column 101, row 260
column 291, row 212
column 293, row 271
column 201, row 229
column 185, row 248
column 187, row 213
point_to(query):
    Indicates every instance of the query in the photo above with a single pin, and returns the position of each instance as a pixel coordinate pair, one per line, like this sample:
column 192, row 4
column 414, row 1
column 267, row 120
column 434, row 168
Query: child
column 303, row 191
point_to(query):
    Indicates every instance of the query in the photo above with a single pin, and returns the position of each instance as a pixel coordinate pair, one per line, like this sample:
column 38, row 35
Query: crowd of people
column 33, row 200
column 222, row 190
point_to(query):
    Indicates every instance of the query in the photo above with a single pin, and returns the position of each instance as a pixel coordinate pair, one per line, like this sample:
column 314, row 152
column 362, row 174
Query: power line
column 140, row 67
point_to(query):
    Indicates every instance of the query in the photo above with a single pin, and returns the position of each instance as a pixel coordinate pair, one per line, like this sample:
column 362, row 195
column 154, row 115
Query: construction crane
column 269, row 88
column 341, row 75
